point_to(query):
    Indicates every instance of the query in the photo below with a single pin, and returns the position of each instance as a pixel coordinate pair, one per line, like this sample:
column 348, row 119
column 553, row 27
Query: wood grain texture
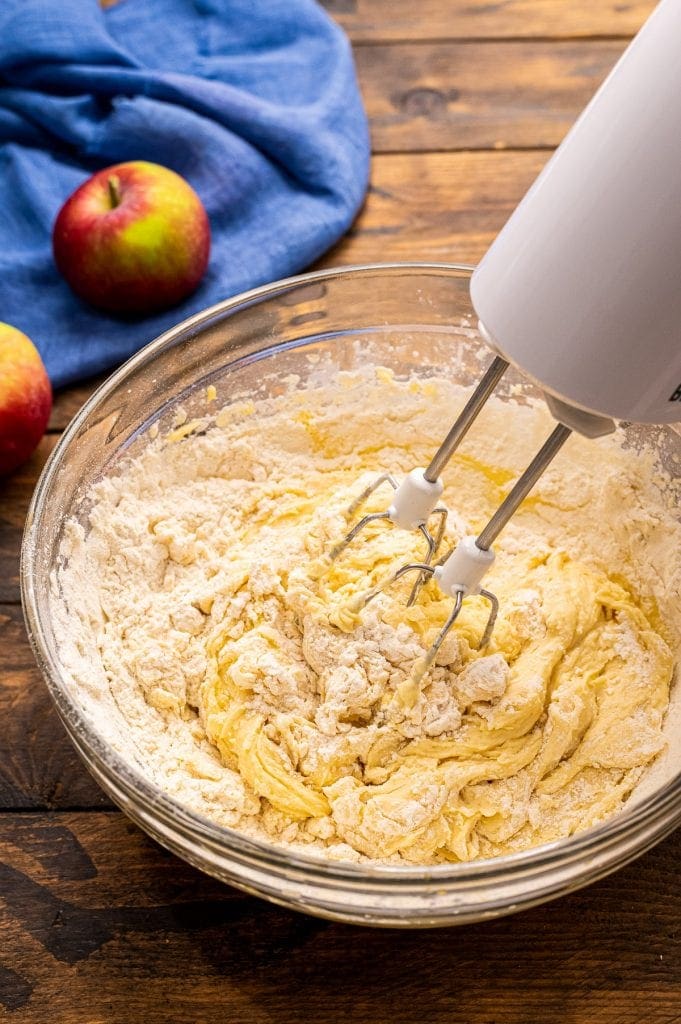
column 39, row 768
column 391, row 20
column 455, row 96
column 100, row 924
column 436, row 206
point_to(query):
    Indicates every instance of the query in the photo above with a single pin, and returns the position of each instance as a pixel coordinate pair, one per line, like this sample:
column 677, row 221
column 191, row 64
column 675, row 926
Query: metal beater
column 580, row 291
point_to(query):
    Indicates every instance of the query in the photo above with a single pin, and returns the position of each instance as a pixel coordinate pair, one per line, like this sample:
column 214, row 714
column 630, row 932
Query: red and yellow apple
column 25, row 398
column 133, row 239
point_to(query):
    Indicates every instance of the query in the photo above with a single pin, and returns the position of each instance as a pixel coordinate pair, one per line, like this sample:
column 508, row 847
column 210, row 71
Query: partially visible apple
column 133, row 239
column 25, row 398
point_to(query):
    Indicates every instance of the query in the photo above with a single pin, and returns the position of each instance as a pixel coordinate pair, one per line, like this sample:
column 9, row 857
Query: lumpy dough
column 204, row 582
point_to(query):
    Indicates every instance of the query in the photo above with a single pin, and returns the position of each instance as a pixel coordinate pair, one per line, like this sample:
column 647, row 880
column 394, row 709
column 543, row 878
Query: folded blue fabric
column 254, row 103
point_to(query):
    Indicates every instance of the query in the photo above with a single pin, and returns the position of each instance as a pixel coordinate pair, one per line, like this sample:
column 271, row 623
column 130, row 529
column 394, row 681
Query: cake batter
column 220, row 628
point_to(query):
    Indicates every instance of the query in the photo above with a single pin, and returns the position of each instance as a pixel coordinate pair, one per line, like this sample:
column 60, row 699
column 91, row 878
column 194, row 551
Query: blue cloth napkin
column 254, row 102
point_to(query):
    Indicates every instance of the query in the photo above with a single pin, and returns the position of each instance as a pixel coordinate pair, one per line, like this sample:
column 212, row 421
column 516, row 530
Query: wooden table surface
column 97, row 923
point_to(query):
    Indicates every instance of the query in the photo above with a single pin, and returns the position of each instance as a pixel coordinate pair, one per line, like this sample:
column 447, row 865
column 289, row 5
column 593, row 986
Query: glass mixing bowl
column 412, row 318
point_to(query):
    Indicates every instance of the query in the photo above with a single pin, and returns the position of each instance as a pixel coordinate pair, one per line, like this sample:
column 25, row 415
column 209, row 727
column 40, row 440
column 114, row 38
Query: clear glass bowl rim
column 653, row 817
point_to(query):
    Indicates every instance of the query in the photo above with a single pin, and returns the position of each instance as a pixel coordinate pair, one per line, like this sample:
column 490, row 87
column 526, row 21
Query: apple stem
column 114, row 194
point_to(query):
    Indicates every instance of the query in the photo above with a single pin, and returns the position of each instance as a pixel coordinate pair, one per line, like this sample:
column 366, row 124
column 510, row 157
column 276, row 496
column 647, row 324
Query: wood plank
column 436, row 206
column 392, row 20
column 478, row 95
column 38, row 766
column 99, row 924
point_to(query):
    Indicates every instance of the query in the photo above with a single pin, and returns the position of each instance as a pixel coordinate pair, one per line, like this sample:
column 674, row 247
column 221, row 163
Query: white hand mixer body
column 581, row 291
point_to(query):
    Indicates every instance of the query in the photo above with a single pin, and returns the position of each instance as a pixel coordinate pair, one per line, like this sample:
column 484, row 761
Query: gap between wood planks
column 588, row 37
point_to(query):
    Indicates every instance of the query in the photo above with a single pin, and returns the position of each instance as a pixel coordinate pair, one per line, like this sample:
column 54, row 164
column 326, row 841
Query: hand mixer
column 581, row 291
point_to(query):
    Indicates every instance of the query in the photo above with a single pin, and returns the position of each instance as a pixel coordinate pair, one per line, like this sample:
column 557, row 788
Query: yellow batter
column 220, row 607
column 543, row 733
